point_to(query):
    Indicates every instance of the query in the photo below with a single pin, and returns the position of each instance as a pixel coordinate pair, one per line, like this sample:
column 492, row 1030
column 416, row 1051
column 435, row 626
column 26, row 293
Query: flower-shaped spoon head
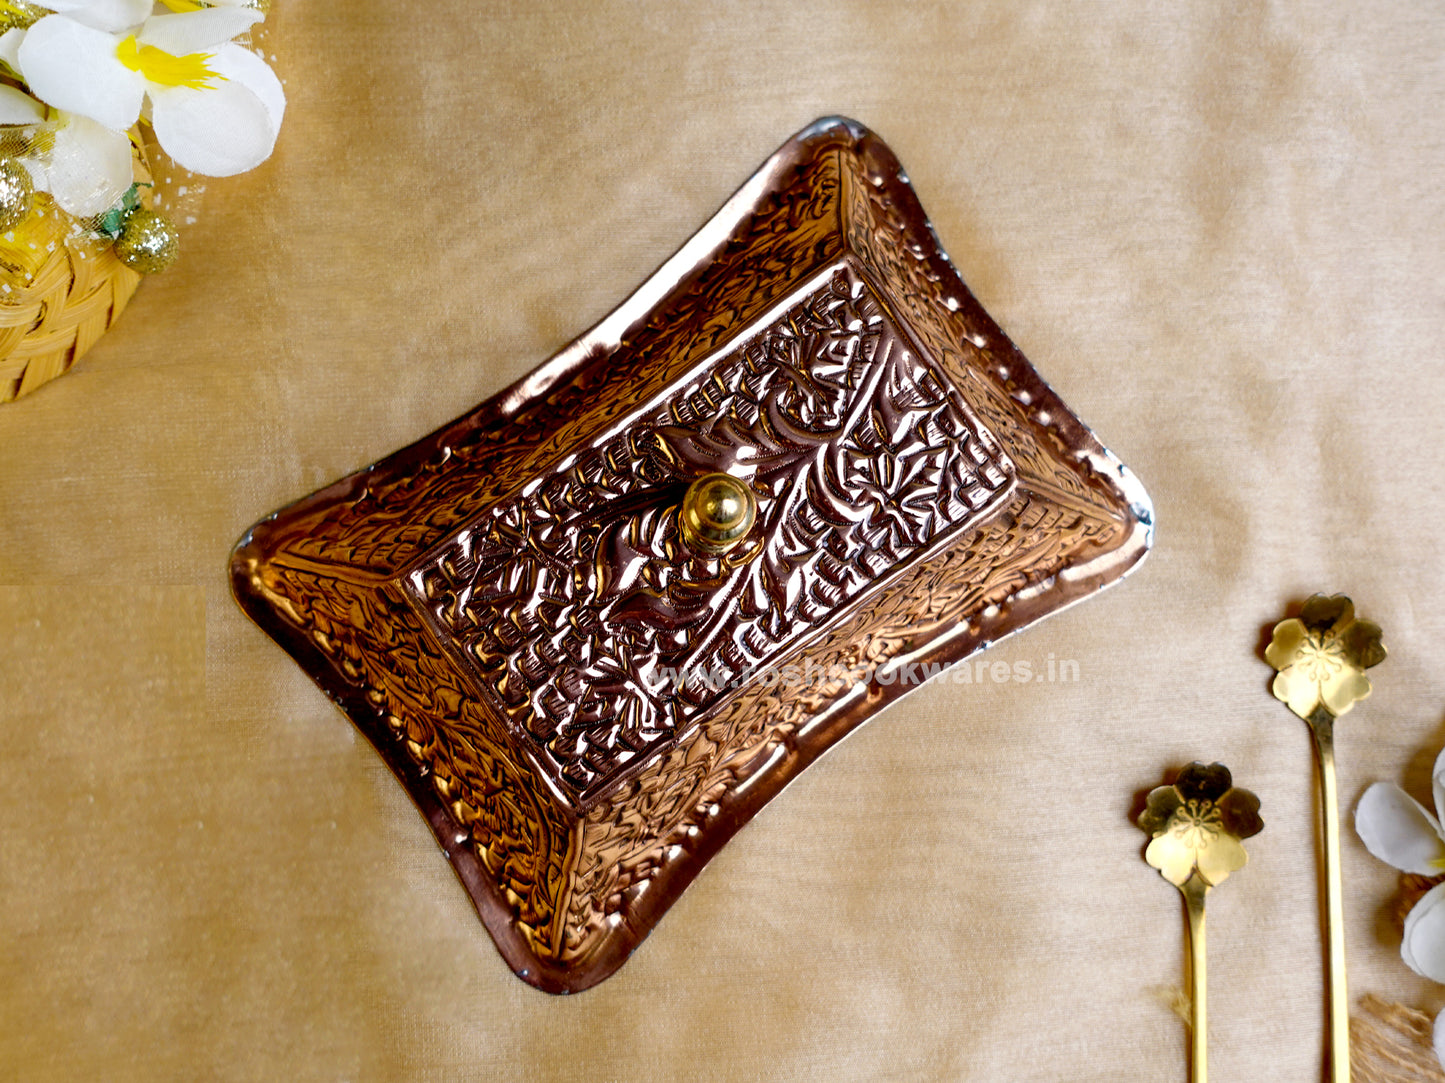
column 1322, row 655
column 1197, row 825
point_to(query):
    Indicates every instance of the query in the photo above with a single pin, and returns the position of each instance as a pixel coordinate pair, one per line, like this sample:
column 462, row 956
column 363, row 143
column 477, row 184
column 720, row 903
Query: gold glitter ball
column 16, row 193
column 17, row 14
column 148, row 242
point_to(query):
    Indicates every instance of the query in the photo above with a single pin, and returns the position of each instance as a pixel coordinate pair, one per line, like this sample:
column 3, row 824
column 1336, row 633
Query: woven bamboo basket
column 60, row 290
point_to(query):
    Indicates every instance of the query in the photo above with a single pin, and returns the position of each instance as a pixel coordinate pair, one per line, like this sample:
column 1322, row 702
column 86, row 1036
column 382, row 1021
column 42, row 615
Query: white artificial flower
column 115, row 15
column 216, row 108
column 18, row 107
column 1401, row 832
column 85, row 166
column 10, row 49
column 88, row 167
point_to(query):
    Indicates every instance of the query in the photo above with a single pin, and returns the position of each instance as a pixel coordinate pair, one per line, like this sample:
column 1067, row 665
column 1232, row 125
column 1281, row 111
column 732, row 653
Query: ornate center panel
column 593, row 630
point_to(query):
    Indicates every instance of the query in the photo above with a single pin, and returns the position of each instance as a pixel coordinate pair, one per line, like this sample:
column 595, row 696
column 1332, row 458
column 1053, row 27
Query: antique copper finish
column 584, row 704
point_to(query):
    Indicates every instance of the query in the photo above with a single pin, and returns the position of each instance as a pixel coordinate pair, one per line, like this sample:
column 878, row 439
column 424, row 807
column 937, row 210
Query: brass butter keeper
column 596, row 623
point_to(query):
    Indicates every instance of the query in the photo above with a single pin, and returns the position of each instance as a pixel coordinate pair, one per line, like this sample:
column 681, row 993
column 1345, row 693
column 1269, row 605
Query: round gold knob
column 717, row 512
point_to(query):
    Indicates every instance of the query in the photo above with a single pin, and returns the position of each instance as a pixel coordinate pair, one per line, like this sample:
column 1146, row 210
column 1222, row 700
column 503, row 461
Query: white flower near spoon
column 1401, row 832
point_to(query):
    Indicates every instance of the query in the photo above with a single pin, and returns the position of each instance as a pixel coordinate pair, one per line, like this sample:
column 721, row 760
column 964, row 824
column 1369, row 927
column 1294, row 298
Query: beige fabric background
column 1216, row 228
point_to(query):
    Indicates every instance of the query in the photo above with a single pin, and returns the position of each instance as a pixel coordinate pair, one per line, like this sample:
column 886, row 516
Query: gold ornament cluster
column 147, row 241
column 17, row 193
column 18, row 15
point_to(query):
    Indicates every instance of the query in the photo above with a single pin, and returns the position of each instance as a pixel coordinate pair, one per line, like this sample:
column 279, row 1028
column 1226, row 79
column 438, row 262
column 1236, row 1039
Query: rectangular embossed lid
column 588, row 657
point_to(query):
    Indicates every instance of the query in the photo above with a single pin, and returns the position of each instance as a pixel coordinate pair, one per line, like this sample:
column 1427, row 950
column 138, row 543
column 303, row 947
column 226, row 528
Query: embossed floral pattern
column 570, row 600
column 1322, row 656
column 1197, row 824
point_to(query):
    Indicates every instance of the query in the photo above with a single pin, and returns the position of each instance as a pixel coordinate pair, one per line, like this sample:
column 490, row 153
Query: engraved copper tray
column 499, row 606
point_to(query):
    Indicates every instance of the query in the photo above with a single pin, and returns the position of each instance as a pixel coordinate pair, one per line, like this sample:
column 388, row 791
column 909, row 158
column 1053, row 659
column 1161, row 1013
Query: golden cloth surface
column 1216, row 229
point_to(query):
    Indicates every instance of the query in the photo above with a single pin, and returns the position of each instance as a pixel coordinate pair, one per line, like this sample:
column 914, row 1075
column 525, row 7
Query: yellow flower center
column 166, row 69
column 183, row 5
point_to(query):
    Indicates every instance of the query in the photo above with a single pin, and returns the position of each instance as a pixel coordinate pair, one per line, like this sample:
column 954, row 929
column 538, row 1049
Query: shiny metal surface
column 1196, row 828
column 717, row 512
column 1321, row 657
column 585, row 705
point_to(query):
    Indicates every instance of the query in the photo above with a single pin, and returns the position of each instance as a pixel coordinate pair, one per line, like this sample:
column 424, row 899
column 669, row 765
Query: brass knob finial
column 717, row 512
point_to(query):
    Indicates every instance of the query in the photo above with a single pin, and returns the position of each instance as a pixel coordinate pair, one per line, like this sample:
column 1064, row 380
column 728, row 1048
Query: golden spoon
column 1196, row 827
column 1321, row 656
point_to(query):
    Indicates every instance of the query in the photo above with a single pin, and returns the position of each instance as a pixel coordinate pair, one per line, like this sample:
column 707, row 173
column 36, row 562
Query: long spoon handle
column 1194, row 893
column 1322, row 725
